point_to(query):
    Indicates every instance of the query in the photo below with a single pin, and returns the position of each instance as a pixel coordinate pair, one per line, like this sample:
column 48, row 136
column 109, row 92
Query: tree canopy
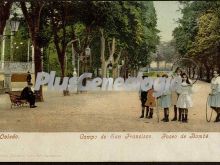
column 198, row 34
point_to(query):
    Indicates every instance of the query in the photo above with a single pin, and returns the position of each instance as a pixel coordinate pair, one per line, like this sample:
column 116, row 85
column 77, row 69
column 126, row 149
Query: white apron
column 184, row 99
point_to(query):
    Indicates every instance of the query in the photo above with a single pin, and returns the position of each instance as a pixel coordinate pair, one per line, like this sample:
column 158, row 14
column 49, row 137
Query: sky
column 167, row 14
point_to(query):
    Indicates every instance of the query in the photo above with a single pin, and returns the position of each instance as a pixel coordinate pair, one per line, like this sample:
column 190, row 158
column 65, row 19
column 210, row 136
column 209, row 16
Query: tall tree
column 197, row 36
column 5, row 7
column 32, row 14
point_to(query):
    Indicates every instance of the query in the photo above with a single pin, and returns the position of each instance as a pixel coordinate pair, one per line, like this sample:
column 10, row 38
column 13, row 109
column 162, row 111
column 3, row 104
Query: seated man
column 28, row 94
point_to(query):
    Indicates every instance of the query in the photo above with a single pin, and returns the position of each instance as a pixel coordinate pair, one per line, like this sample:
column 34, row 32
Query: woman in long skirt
column 165, row 102
column 214, row 96
column 174, row 95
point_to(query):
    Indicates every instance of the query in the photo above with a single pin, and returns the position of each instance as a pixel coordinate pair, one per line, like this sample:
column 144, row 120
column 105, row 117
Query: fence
column 16, row 67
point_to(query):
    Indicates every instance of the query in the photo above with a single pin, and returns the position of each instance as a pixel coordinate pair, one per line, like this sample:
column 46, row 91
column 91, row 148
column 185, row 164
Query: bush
column 153, row 73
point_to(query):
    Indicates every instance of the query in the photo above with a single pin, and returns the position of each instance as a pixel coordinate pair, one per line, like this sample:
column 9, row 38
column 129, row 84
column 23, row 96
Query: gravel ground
column 100, row 111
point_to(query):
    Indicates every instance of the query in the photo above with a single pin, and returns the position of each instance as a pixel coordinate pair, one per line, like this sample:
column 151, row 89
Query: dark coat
column 28, row 77
column 26, row 93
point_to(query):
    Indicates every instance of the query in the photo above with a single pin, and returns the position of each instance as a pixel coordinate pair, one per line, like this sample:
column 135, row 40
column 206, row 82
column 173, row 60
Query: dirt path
column 103, row 111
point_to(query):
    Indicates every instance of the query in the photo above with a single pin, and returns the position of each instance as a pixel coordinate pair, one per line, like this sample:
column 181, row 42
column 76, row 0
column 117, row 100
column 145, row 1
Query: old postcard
column 109, row 81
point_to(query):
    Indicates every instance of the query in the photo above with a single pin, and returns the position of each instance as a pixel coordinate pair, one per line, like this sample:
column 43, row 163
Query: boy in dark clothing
column 28, row 95
column 143, row 98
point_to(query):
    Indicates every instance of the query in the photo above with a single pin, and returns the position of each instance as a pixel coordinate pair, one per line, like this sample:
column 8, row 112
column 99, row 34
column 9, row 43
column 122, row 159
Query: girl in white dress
column 214, row 96
column 184, row 100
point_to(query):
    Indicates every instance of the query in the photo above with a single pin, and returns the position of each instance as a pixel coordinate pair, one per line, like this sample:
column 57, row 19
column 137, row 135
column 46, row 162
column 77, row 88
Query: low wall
column 16, row 85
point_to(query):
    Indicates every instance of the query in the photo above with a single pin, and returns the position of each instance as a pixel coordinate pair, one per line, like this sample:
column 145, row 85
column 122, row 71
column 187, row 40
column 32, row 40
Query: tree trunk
column 207, row 72
column 218, row 58
column 194, row 72
column 103, row 64
column 62, row 57
column 5, row 7
column 62, row 66
column 189, row 72
column 38, row 68
column 34, row 31
column 115, row 72
column 104, row 69
column 201, row 72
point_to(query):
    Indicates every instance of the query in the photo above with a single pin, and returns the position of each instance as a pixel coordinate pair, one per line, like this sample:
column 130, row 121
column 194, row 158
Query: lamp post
column 73, row 61
column 28, row 51
column 14, row 24
column 73, row 57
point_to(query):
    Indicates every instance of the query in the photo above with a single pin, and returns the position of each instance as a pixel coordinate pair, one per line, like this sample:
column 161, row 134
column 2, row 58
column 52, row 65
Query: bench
column 15, row 95
column 15, row 99
column 19, row 77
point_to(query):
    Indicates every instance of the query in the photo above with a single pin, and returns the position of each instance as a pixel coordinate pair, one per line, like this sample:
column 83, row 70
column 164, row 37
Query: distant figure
column 28, row 94
column 28, row 79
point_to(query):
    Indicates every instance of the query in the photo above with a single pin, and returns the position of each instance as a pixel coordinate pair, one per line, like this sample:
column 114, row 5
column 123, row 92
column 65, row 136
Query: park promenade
column 100, row 111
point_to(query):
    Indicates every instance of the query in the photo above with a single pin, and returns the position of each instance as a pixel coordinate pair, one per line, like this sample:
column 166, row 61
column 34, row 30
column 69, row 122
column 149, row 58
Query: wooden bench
column 19, row 77
column 15, row 95
column 15, row 99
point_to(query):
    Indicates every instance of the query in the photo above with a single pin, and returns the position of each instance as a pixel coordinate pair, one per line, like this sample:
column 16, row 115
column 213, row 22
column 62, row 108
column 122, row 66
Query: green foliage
column 208, row 34
column 153, row 74
column 198, row 34
column 198, row 28
column 131, row 23
column 167, row 52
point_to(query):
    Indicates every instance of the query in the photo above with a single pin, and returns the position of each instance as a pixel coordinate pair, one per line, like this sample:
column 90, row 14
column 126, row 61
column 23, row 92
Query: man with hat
column 28, row 94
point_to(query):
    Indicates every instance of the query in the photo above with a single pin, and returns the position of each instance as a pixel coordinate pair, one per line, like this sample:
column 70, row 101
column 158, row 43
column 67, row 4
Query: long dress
column 184, row 99
column 174, row 95
column 214, row 98
column 165, row 99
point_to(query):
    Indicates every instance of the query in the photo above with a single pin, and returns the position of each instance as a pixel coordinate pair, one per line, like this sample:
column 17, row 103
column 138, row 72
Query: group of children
column 180, row 98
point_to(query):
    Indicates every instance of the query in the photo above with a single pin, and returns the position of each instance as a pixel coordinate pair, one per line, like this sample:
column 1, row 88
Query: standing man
column 28, row 79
